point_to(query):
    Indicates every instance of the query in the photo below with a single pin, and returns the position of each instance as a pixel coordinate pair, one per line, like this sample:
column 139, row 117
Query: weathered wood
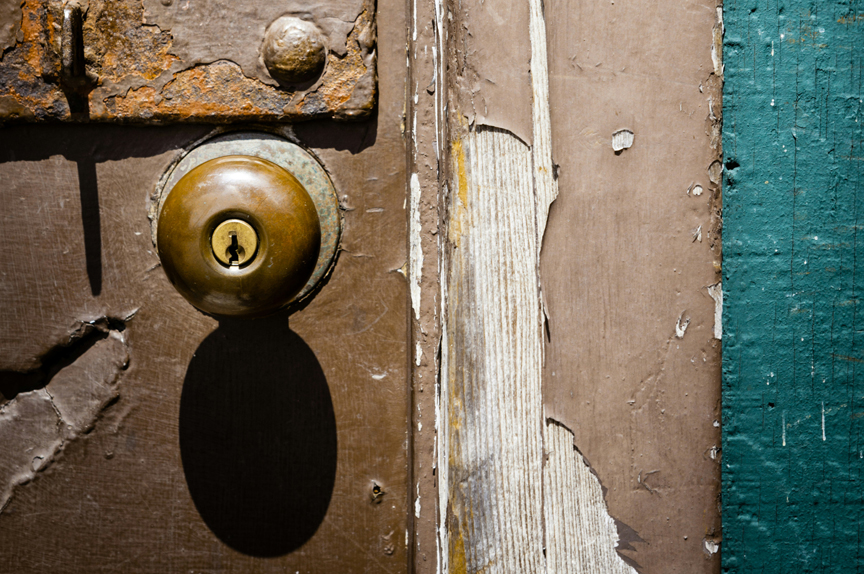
column 630, row 250
column 425, row 136
column 490, row 379
column 496, row 489
column 581, row 537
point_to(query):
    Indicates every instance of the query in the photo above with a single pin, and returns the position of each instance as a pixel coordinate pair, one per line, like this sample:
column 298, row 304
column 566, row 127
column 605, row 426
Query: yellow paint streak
column 459, row 209
column 457, row 555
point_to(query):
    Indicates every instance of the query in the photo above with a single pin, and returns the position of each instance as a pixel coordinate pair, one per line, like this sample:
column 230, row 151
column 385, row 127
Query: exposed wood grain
column 491, row 377
column 496, row 489
column 546, row 185
column 581, row 537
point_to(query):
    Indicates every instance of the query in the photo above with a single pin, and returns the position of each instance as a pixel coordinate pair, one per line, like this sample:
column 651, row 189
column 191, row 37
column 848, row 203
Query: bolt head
column 294, row 50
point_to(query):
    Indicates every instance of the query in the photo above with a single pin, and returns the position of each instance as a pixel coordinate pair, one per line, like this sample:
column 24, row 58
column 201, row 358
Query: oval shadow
column 258, row 436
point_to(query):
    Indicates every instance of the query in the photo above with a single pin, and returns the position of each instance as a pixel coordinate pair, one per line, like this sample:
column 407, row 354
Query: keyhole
column 234, row 242
column 234, row 250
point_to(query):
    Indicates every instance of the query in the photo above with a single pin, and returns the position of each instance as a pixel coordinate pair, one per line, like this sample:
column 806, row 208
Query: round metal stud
column 294, row 50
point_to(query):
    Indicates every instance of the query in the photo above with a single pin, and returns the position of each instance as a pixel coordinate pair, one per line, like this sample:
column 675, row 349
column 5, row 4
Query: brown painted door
column 139, row 434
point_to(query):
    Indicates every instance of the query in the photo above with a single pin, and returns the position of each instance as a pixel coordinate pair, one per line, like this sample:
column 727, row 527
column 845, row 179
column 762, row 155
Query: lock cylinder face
column 238, row 235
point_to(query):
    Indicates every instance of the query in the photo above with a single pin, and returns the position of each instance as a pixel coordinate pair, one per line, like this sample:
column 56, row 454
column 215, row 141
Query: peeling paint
column 681, row 325
column 716, row 293
column 621, row 140
column 581, row 536
column 717, row 43
column 36, row 425
column 710, row 546
column 415, row 269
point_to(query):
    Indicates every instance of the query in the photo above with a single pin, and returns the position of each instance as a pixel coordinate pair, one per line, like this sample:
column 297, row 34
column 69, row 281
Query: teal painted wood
column 793, row 242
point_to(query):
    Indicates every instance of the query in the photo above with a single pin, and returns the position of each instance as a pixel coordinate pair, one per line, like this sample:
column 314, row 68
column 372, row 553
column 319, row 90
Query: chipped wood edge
column 424, row 134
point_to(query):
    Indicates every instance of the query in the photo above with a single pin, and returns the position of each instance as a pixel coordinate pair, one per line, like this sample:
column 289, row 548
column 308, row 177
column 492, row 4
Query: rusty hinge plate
column 179, row 60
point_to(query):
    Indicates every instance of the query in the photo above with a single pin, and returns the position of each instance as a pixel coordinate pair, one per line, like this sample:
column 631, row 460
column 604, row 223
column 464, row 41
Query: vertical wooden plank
column 630, row 253
column 502, row 508
column 793, row 458
column 425, row 136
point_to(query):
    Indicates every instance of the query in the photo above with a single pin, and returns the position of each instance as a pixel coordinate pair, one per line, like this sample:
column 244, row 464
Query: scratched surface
column 793, row 379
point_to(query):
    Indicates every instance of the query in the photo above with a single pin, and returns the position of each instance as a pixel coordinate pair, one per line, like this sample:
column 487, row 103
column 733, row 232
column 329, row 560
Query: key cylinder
column 234, row 242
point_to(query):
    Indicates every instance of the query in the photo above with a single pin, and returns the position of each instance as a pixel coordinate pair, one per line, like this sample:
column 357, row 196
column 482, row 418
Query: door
column 513, row 364
column 141, row 434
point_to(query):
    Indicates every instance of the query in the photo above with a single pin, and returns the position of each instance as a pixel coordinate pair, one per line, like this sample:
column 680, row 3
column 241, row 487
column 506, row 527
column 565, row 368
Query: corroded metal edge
column 298, row 161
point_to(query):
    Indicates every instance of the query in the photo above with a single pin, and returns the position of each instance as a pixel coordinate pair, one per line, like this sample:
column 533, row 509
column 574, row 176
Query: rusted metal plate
column 159, row 61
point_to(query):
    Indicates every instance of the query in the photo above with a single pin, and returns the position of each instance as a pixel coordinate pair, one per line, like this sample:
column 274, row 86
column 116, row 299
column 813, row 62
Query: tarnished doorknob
column 238, row 235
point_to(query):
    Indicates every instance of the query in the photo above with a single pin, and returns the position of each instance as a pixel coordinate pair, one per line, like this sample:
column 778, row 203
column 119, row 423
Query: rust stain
column 119, row 45
column 851, row 19
column 217, row 89
column 141, row 80
column 29, row 68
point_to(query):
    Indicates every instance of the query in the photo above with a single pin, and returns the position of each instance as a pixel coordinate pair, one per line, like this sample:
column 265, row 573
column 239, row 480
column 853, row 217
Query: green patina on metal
column 793, row 358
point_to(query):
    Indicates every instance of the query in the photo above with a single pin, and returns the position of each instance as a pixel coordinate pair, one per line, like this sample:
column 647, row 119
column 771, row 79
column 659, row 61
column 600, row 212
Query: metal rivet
column 234, row 242
column 294, row 50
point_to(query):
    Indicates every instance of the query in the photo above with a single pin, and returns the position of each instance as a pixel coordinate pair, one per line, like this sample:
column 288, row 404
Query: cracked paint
column 36, row 425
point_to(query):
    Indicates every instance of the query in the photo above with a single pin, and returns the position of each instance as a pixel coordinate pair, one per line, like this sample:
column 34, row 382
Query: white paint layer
column 716, row 292
column 415, row 267
column 681, row 326
column 622, row 139
column 580, row 534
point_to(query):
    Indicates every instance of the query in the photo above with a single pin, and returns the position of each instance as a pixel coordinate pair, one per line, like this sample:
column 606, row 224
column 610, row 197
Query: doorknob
column 238, row 235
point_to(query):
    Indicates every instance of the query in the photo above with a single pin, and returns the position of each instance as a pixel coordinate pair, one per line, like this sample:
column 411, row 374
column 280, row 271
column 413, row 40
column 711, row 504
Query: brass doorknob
column 238, row 235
